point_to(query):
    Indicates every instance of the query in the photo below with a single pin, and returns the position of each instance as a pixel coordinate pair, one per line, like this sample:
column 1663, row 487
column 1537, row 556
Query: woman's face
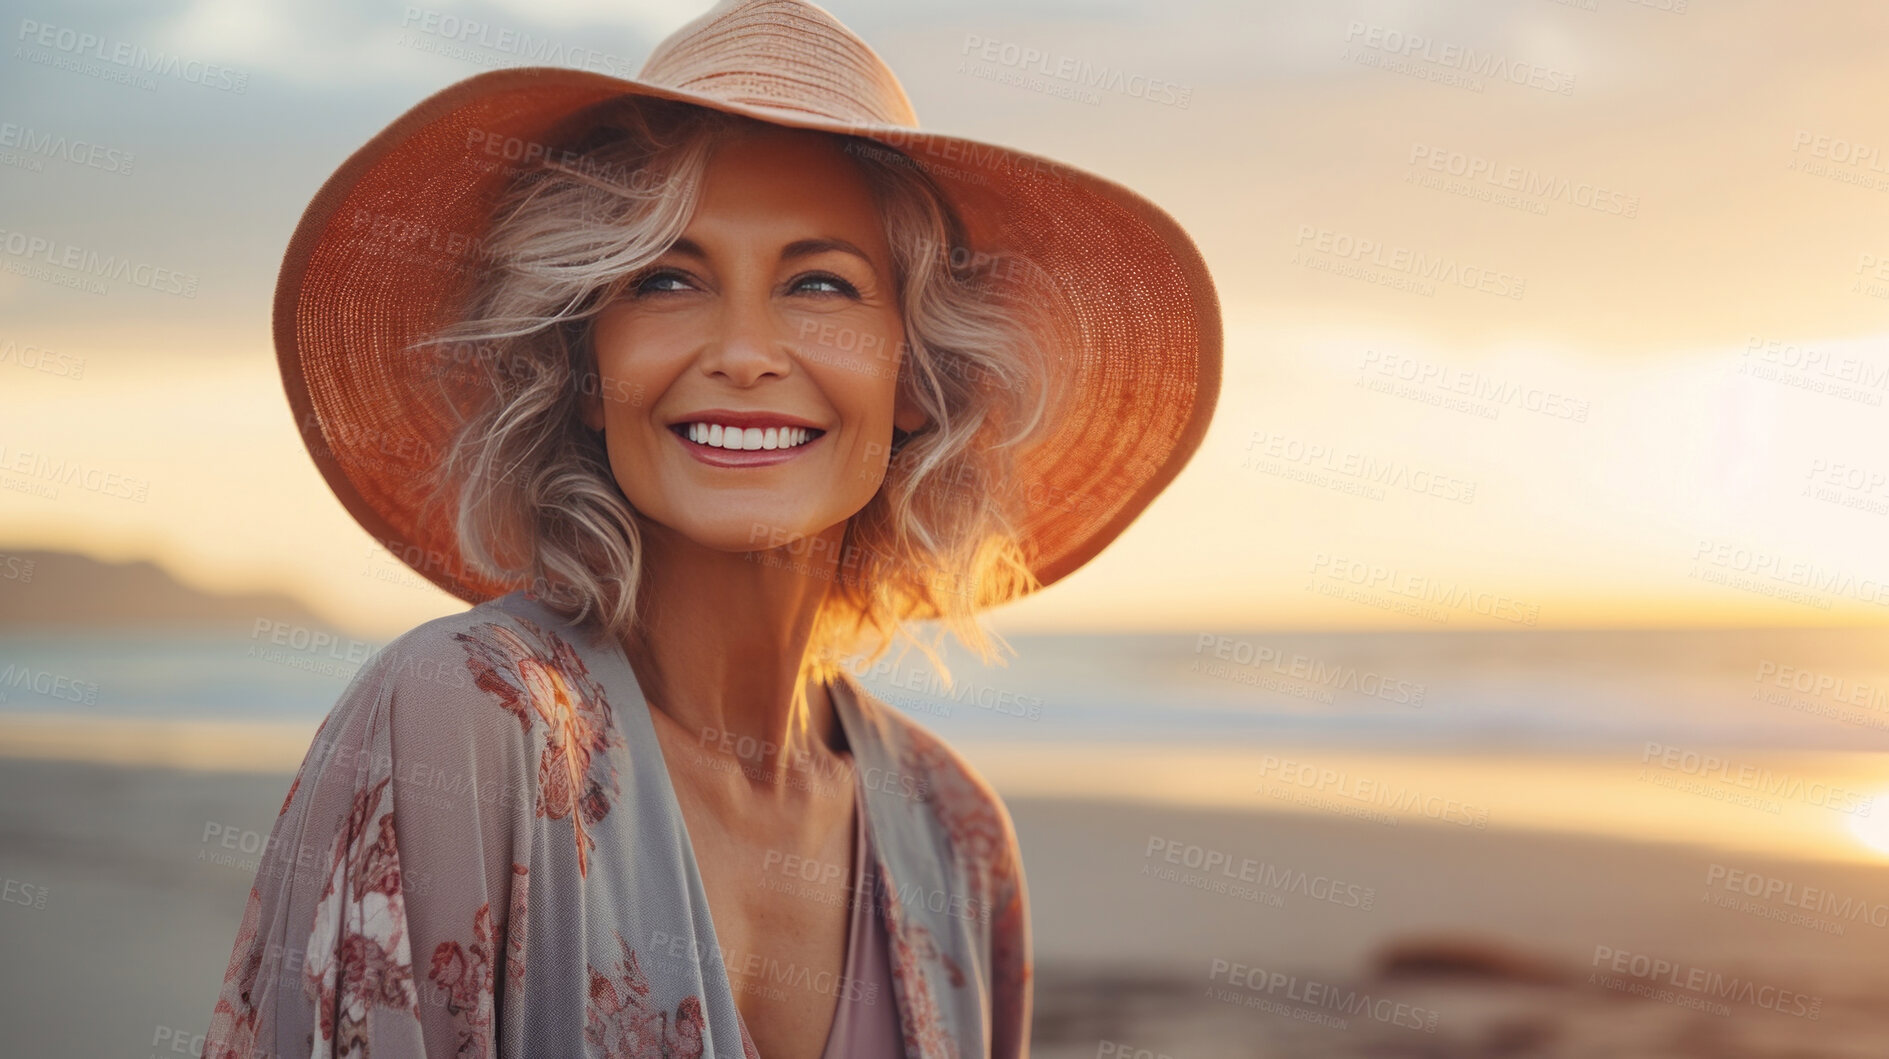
column 774, row 318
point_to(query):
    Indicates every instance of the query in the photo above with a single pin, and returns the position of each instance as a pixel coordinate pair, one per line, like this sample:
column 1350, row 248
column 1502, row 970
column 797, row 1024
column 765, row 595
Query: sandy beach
column 1161, row 929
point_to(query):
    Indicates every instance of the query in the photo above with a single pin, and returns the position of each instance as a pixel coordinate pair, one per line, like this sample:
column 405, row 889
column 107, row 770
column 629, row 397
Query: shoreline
column 1809, row 806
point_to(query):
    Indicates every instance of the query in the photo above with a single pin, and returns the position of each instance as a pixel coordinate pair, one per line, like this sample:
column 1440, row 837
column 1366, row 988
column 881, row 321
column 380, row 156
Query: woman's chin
column 759, row 532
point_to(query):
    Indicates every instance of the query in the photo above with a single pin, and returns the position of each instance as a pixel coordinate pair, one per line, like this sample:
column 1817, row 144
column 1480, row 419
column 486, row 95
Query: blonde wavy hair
column 528, row 487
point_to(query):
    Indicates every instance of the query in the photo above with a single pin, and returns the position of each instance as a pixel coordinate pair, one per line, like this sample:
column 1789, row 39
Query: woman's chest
column 779, row 886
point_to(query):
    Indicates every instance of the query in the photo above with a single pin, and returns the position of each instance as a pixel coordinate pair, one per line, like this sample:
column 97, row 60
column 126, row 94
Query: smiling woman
column 749, row 276
column 722, row 388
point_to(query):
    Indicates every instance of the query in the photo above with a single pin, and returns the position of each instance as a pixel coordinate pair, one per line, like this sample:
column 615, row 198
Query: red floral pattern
column 558, row 689
column 358, row 957
column 972, row 817
column 515, row 924
column 289, row 798
column 348, row 932
column 984, row 845
column 622, row 1021
column 923, row 1025
column 464, row 973
column 233, row 1021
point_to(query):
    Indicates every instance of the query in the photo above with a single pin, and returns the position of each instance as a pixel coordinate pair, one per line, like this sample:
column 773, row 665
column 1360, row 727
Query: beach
column 1161, row 928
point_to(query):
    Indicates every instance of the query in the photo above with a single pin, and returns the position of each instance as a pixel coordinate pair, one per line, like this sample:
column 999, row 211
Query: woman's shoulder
column 494, row 646
column 510, row 617
column 456, row 676
column 936, row 777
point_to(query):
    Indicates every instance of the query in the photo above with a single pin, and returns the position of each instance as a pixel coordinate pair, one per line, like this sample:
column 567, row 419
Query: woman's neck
column 721, row 648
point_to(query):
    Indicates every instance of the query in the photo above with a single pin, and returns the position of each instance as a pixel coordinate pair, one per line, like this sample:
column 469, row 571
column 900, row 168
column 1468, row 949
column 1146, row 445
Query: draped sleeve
column 972, row 945
column 387, row 917
column 1011, row 960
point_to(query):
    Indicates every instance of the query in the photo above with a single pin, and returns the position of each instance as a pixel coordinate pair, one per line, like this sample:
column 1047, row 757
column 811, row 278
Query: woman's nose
column 748, row 343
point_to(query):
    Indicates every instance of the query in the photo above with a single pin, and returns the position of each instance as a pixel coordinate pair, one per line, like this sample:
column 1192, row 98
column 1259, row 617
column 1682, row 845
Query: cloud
column 336, row 43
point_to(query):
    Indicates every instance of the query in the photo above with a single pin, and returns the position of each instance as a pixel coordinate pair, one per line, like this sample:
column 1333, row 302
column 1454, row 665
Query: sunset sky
column 1644, row 383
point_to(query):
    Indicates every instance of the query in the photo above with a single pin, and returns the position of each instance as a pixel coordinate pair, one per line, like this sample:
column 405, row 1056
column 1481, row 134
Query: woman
column 697, row 386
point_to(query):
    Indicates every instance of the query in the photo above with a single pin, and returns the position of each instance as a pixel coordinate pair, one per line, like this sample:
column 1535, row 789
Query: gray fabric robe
column 482, row 855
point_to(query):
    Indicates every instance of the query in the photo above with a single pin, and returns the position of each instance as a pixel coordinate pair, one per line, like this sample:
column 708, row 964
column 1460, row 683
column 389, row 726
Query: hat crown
column 783, row 55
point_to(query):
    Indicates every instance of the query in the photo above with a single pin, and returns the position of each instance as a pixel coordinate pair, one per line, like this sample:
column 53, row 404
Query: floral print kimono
column 482, row 856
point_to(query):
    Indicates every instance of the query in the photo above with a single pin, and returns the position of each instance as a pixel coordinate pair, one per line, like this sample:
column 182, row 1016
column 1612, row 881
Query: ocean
column 1777, row 689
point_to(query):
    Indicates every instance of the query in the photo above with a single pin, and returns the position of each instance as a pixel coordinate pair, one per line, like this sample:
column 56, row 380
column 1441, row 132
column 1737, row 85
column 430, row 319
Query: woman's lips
column 719, row 457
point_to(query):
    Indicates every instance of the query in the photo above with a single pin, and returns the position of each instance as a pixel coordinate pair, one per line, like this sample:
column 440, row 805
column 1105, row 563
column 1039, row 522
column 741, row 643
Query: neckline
column 856, row 906
column 692, row 868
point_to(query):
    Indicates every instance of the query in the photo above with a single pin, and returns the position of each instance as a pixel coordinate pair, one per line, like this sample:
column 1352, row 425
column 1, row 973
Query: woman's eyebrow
column 809, row 247
column 797, row 249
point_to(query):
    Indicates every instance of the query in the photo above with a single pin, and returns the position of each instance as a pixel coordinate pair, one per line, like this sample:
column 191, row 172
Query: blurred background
column 1512, row 650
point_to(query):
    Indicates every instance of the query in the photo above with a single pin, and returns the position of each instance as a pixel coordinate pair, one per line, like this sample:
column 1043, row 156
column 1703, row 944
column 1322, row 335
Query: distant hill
column 54, row 588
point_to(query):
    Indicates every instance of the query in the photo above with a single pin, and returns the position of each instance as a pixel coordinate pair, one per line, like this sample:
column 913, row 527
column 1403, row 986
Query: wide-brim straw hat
column 366, row 276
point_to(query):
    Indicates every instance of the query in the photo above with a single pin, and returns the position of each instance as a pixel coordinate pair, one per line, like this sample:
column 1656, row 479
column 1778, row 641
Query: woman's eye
column 668, row 281
column 825, row 283
column 651, row 284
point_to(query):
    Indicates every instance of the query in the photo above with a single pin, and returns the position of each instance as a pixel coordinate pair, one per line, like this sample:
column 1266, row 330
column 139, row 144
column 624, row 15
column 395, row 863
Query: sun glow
column 1873, row 830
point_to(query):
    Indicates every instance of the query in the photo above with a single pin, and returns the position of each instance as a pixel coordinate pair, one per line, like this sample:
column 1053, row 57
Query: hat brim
column 375, row 264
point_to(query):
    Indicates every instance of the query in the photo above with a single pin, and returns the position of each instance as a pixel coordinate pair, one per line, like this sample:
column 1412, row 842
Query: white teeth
column 714, row 435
